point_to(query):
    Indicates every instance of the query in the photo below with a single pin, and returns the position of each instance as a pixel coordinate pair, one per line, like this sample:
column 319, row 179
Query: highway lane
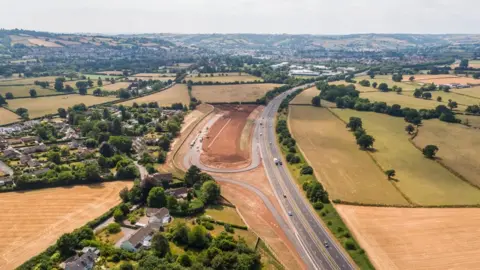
column 304, row 228
column 311, row 229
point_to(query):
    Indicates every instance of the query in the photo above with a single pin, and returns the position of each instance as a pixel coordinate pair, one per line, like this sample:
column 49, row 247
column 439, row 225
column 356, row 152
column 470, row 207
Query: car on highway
column 325, row 243
column 290, row 213
column 284, row 195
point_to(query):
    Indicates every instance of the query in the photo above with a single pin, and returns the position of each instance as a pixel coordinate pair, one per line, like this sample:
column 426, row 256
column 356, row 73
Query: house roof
column 156, row 211
column 178, row 192
column 138, row 237
column 86, row 261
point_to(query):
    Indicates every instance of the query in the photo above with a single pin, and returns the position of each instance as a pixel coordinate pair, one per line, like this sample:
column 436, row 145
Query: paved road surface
column 303, row 227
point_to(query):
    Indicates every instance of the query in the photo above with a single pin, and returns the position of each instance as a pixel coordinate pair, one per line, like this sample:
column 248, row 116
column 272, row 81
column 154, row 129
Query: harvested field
column 41, row 106
column 406, row 86
column 472, row 120
column 24, row 90
column 7, row 117
column 155, row 75
column 222, row 146
column 175, row 94
column 232, row 93
column 306, row 96
column 472, row 92
column 445, row 80
column 420, row 238
column 28, row 81
column 423, row 181
column 459, row 146
column 146, row 78
column 346, row 172
column 421, row 77
column 42, row 42
column 116, row 86
column 111, row 72
column 232, row 77
column 471, row 63
column 34, row 220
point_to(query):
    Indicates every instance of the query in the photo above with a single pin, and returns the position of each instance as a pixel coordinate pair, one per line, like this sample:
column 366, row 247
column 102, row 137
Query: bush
column 306, row 170
column 228, row 228
column 114, row 228
column 329, row 223
column 350, row 245
column 318, row 205
column 208, row 225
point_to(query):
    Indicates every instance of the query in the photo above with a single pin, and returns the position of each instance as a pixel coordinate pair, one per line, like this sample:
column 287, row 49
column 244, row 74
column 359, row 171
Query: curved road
column 303, row 227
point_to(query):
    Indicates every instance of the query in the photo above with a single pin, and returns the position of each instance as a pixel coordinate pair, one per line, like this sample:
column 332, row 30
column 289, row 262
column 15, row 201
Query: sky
column 243, row 16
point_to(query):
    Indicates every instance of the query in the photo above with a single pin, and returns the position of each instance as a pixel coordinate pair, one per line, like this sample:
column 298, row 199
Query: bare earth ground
column 459, row 146
column 175, row 94
column 7, row 117
column 232, row 93
column 416, row 238
column 221, row 147
column 32, row 221
column 41, row 106
column 347, row 172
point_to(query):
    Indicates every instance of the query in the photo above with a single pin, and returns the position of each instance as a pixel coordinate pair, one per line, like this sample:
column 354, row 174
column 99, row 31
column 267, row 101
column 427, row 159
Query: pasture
column 419, row 238
column 24, row 90
column 232, row 92
column 28, row 81
column 473, row 92
column 34, row 220
column 460, row 99
column 459, row 146
column 406, row 86
column 404, row 100
column 7, row 117
column 422, row 180
column 38, row 107
column 357, row 86
column 346, row 172
column 177, row 93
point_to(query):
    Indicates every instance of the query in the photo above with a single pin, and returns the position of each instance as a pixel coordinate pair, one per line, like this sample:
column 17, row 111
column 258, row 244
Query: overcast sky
column 243, row 16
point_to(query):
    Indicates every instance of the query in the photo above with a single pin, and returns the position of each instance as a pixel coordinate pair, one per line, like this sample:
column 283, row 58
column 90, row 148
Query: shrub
column 318, row 205
column 329, row 223
column 208, row 225
column 306, row 170
column 228, row 228
column 114, row 228
column 350, row 245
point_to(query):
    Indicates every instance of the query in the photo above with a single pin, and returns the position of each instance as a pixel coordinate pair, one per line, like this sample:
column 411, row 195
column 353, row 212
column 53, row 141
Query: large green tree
column 160, row 245
column 157, row 198
column 210, row 191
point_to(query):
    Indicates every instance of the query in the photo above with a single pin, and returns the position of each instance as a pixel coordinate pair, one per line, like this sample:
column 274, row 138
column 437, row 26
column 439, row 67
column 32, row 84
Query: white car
column 261, row 134
column 290, row 213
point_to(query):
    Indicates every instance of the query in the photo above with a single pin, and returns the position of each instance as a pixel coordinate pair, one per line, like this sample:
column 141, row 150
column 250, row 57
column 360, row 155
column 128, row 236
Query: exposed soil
column 416, row 238
column 222, row 146
column 261, row 221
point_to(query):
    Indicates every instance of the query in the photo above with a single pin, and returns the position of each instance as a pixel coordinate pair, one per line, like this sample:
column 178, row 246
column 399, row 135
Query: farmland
column 24, row 90
column 232, row 93
column 403, row 100
column 405, row 238
column 116, row 86
column 41, row 106
column 473, row 92
column 7, row 117
column 232, row 77
column 459, row 146
column 406, row 86
column 460, row 99
column 28, row 81
column 306, row 96
column 95, row 77
column 26, row 231
column 422, row 180
column 473, row 121
column 175, row 94
column 347, row 173
column 447, row 80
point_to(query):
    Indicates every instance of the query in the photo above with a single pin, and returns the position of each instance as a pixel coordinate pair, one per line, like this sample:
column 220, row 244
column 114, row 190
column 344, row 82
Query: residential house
column 11, row 153
column 3, row 143
column 30, row 139
column 158, row 216
column 139, row 145
column 157, row 179
column 140, row 240
column 35, row 149
column 179, row 193
column 24, row 159
column 6, row 181
column 84, row 262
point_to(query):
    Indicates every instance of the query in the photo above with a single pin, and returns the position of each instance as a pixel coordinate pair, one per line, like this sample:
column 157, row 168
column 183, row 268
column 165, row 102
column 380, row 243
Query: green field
column 24, row 90
column 460, row 99
column 406, row 86
column 225, row 214
column 423, row 181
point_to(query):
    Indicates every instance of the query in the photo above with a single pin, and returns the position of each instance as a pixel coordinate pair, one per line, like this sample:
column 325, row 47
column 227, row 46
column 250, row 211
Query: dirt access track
column 416, row 238
column 228, row 142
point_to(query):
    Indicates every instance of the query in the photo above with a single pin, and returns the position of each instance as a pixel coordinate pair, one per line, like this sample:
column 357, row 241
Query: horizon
column 315, row 17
